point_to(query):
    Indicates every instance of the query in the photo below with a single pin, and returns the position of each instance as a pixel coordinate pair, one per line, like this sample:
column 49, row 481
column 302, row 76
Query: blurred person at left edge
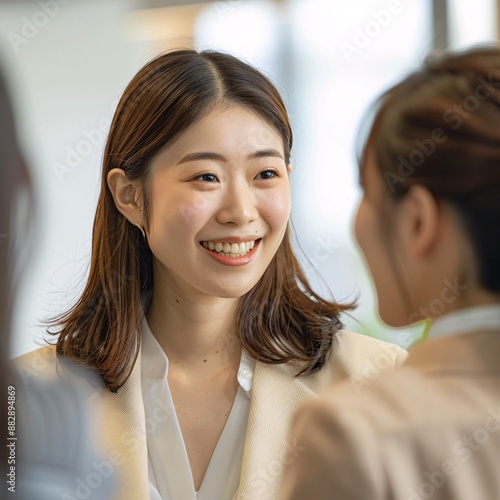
column 45, row 451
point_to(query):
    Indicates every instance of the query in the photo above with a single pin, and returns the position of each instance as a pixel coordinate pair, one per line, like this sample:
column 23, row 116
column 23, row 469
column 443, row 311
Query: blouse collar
column 470, row 319
column 155, row 361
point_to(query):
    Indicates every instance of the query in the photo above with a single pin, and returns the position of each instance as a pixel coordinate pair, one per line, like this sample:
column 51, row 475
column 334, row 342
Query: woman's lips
column 234, row 260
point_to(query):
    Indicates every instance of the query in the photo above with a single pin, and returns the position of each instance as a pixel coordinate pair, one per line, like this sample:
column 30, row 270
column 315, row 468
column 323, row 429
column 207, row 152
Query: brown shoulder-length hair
column 279, row 320
column 440, row 128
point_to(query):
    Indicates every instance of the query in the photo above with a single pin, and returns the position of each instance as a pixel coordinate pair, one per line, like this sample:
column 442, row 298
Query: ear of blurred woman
column 421, row 221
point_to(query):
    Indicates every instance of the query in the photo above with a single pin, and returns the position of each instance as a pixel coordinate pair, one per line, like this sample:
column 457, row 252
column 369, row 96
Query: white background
column 67, row 75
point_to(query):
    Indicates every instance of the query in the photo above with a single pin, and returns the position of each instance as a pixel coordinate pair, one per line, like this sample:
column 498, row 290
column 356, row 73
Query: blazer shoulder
column 355, row 355
column 40, row 364
column 44, row 367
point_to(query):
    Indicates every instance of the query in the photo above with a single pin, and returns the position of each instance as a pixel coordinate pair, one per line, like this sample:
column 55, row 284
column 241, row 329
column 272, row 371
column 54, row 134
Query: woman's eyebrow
column 202, row 155
column 208, row 155
column 263, row 153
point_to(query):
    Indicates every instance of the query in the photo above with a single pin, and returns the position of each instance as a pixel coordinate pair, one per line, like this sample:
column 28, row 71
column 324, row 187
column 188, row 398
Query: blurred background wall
column 68, row 61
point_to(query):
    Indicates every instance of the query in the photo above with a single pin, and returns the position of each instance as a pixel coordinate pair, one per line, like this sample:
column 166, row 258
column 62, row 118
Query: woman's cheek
column 364, row 230
column 358, row 224
column 196, row 207
column 278, row 208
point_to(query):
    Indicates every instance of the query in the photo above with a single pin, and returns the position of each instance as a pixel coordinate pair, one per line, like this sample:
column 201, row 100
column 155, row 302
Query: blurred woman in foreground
column 45, row 450
column 429, row 228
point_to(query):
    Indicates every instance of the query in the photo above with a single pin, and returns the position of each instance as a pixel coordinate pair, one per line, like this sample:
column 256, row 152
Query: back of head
column 439, row 128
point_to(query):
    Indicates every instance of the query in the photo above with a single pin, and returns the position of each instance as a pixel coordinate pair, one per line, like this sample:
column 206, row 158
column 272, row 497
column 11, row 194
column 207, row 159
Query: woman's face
column 371, row 219
column 220, row 204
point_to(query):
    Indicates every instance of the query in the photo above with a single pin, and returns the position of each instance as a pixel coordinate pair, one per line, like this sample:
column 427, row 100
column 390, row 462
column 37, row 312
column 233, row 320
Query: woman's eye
column 207, row 178
column 267, row 174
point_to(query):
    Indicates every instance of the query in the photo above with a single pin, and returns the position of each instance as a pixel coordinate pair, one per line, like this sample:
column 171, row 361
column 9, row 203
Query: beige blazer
column 429, row 431
column 119, row 427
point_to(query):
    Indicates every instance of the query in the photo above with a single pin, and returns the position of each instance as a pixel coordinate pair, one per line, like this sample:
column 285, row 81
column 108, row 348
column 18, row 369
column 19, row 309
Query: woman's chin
column 393, row 319
column 236, row 293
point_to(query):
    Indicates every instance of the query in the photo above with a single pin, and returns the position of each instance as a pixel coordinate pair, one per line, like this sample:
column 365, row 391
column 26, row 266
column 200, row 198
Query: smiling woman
column 221, row 188
column 196, row 313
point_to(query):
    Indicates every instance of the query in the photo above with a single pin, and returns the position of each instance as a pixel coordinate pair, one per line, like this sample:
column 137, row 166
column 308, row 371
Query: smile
column 229, row 249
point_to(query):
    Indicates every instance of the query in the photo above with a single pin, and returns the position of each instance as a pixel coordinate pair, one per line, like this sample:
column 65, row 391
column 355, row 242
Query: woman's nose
column 239, row 205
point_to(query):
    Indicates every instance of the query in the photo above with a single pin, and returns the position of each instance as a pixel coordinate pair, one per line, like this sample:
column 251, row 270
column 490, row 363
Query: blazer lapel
column 120, row 424
column 276, row 395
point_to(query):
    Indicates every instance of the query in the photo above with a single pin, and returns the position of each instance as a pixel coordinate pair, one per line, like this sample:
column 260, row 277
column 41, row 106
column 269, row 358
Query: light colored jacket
column 431, row 430
column 119, row 429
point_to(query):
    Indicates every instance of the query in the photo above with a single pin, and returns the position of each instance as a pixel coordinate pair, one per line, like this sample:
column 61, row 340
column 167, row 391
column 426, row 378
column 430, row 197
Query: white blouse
column 469, row 319
column 170, row 476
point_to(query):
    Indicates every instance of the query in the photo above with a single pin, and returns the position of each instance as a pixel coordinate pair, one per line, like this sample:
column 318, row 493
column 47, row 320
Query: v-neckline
column 165, row 441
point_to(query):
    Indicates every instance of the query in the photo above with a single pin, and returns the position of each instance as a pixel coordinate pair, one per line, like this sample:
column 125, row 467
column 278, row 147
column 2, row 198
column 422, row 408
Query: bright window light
column 472, row 22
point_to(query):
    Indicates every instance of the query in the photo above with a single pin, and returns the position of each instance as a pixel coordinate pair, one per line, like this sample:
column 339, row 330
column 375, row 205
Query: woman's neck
column 192, row 331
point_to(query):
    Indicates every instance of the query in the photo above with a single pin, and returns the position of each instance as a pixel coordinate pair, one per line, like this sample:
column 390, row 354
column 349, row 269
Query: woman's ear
column 289, row 169
column 127, row 195
column 422, row 221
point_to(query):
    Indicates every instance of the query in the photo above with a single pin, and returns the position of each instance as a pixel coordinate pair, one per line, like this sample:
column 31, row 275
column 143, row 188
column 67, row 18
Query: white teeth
column 230, row 249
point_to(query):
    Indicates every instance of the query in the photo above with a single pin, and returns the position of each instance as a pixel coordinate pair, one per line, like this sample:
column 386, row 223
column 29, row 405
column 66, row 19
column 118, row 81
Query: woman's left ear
column 423, row 221
column 289, row 169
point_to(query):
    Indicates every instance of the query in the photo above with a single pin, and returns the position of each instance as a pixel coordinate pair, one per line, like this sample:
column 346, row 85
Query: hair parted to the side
column 439, row 128
column 280, row 319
